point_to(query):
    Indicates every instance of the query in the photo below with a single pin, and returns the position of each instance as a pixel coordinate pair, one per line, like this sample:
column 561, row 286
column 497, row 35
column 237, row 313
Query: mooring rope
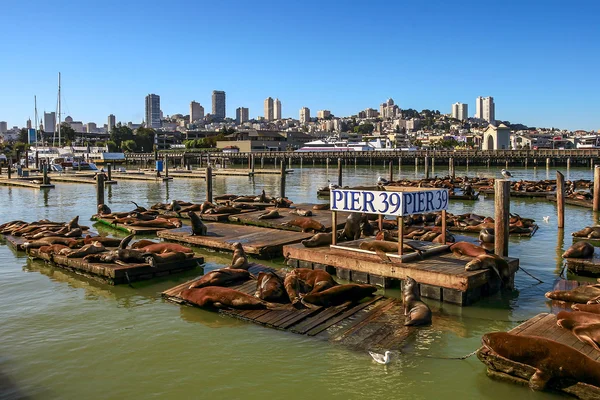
column 449, row 358
column 522, row 269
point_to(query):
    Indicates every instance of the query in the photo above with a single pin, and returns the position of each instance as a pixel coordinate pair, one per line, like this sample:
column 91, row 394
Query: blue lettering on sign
column 429, row 196
column 355, row 201
column 338, row 195
column 368, row 198
column 407, row 202
column 421, row 200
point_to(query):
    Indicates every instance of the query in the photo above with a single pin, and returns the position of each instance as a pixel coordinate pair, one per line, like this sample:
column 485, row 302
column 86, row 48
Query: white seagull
column 506, row 174
column 331, row 185
column 382, row 181
column 381, row 358
column 546, row 219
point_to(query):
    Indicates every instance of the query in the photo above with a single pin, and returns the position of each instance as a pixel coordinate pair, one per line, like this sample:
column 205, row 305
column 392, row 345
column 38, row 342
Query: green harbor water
column 63, row 336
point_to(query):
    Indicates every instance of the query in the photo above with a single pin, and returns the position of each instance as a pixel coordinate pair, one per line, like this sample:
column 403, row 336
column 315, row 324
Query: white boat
column 334, row 143
column 589, row 142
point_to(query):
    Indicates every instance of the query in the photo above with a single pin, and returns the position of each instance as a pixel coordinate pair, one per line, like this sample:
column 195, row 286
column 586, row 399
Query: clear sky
column 540, row 60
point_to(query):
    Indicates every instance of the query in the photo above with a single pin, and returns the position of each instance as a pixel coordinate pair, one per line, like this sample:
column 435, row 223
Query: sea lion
column 270, row 287
column 300, row 212
column 193, row 207
column 572, row 318
column 125, row 241
column 223, row 210
column 270, row 214
column 585, row 332
column 338, row 295
column 590, row 308
column 52, row 249
column 175, row 206
column 366, row 229
column 239, row 259
column 487, row 236
column 467, row 249
column 93, row 248
column 417, row 312
column 198, row 227
column 222, row 297
column 305, row 280
column 579, row 250
column 74, row 223
column 493, row 262
column 321, row 206
column 582, row 294
column 167, row 223
column 75, row 232
column 352, row 229
column 164, row 247
column 307, row 224
column 207, row 205
column 590, row 232
column 221, row 277
column 48, row 241
column 142, row 243
column 319, row 239
column 552, row 360
column 121, row 256
column 103, row 209
column 382, row 246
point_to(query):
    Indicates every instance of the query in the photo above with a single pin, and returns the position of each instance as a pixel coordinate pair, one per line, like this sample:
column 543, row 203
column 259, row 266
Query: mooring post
column 547, row 162
column 282, row 188
column 99, row 189
column 9, row 170
column 37, row 160
column 560, row 199
column 596, row 201
column 209, row 182
column 45, row 180
column 249, row 161
column 301, row 162
column 416, row 162
column 451, row 167
column 502, row 217
column 380, row 222
column 506, row 164
column 333, row 227
column 444, row 216
column 400, row 224
column 391, row 171
column 166, row 167
column 568, row 162
column 109, row 166
column 252, row 164
column 426, row 167
column 339, row 172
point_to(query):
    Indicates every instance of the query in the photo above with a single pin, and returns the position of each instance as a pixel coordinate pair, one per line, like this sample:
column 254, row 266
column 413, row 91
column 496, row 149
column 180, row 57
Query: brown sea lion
column 467, row 249
column 319, row 239
column 270, row 287
column 415, row 311
column 301, row 212
column 121, row 256
column 552, row 360
column 582, row 294
column 239, row 259
column 493, row 262
column 198, row 227
column 222, row 297
column 48, row 241
column 221, row 277
column 338, row 295
column 164, row 247
column 321, row 206
column 52, row 249
column 167, row 223
column 142, row 243
column 193, row 207
column 223, row 210
column 93, row 248
column 382, row 246
column 573, row 318
column 590, row 308
column 75, row 233
column 352, row 229
column 207, row 205
column 487, row 236
column 579, row 250
column 307, row 224
column 103, row 209
column 169, row 257
column 270, row 214
column 305, row 280
column 585, row 332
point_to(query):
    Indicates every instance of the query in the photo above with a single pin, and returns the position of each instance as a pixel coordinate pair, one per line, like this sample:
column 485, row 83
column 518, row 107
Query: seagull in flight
column 506, row 174
column 382, row 181
column 381, row 358
column 546, row 219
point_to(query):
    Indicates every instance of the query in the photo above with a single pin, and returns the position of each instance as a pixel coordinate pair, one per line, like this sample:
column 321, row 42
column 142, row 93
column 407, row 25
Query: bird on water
column 506, row 174
column 381, row 358
column 546, row 219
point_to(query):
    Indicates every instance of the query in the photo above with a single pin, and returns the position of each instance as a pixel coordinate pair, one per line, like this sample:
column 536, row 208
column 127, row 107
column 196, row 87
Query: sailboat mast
column 35, row 124
column 59, row 109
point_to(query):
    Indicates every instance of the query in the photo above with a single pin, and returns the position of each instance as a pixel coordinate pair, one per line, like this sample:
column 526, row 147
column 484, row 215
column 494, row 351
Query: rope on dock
column 522, row 269
column 128, row 281
column 444, row 358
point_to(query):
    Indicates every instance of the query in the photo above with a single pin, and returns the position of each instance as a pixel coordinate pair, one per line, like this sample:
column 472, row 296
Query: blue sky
column 538, row 59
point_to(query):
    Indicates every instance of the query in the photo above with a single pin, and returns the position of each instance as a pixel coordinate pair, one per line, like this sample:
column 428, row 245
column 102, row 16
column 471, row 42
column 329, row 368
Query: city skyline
column 537, row 76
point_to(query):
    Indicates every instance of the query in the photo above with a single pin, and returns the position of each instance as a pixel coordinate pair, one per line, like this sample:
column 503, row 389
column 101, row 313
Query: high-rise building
column 460, row 111
column 321, row 114
column 269, row 109
column 29, row 123
column 304, row 115
column 112, row 122
column 196, row 111
column 152, row 111
column 49, row 122
column 91, row 127
column 241, row 115
column 485, row 109
column 3, row 126
column 218, row 104
column 277, row 110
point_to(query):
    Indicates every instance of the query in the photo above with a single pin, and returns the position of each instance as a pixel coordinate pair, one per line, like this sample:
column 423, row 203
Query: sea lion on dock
column 590, row 308
column 224, row 210
column 93, row 248
column 487, row 236
column 222, row 297
column 307, row 224
column 52, row 249
column 207, row 205
column 123, row 256
column 49, row 241
column 125, row 241
column 319, row 239
column 352, row 229
column 193, row 207
column 174, row 206
column 338, row 295
column 103, row 209
column 383, row 246
column 589, row 294
column 586, row 332
column 166, row 223
column 300, row 212
column 573, row 318
column 198, row 227
column 76, row 232
column 552, row 360
column 415, row 311
column 579, row 250
column 270, row 214
column 270, row 287
column 221, row 277
column 305, row 280
column 467, row 249
column 164, row 247
column 239, row 259
column 74, row 223
column 588, row 232
column 321, row 206
column 142, row 243
column 491, row 261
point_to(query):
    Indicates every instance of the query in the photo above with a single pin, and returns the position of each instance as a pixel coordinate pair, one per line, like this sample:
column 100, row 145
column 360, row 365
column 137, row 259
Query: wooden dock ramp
column 543, row 325
column 375, row 323
column 136, row 230
column 585, row 266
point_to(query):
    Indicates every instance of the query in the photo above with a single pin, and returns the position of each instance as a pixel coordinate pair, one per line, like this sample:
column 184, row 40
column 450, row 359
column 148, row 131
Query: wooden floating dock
column 73, row 179
column 543, row 325
column 136, row 230
column 203, row 217
column 573, row 202
column 115, row 274
column 322, row 216
column 25, row 183
column 16, row 242
column 464, row 197
column 584, row 266
column 519, row 193
column 262, row 242
column 441, row 275
column 374, row 324
column 564, row 284
column 531, row 232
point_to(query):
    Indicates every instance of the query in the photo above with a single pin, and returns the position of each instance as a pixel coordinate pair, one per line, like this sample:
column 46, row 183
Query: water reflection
column 208, row 318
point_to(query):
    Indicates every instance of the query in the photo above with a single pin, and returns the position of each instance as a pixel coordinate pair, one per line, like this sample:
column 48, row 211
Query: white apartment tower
column 153, row 116
column 49, row 122
column 321, row 114
column 242, row 115
column 304, row 115
column 277, row 109
column 269, row 109
column 196, row 111
column 460, row 111
column 485, row 109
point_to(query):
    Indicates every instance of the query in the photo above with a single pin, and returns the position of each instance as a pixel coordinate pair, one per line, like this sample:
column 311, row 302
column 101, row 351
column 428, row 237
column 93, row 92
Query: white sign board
column 389, row 203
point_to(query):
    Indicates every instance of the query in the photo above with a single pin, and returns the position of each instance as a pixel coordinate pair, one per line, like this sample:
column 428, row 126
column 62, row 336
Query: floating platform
column 584, row 266
column 543, row 325
column 25, row 183
column 464, row 197
column 136, row 230
column 322, row 216
column 441, row 275
column 531, row 232
column 376, row 323
column 573, row 202
column 203, row 217
column 262, row 242
column 564, row 284
column 115, row 274
column 16, row 242
column 73, row 179
column 519, row 193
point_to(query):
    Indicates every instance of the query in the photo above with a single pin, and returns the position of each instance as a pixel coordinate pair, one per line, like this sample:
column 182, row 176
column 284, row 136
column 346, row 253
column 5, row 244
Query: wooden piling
column 391, row 171
column 166, row 167
column 109, row 167
column 209, row 184
column 560, row 199
column 596, row 201
column 252, row 164
column 547, row 162
column 502, row 217
column 451, row 167
column 99, row 188
column 45, row 179
column 9, row 170
column 444, row 217
column 333, row 227
column 426, row 167
column 282, row 187
column 339, row 172
column 37, row 160
column 568, row 162
column 400, row 224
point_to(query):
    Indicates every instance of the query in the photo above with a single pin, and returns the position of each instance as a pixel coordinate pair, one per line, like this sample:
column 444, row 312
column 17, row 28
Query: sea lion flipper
column 595, row 300
column 585, row 338
column 125, row 242
column 539, row 380
column 382, row 255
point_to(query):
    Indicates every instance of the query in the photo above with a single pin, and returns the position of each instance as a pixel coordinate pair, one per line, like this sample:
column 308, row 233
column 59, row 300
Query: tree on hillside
column 144, row 138
column 120, row 133
column 67, row 133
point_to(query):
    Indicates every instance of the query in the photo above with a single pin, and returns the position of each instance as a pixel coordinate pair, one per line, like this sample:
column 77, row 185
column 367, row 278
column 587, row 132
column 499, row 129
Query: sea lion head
column 474, row 264
column 103, row 209
column 410, row 285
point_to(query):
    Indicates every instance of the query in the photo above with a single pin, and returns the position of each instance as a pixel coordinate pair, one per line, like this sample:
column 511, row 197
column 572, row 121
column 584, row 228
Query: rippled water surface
column 64, row 336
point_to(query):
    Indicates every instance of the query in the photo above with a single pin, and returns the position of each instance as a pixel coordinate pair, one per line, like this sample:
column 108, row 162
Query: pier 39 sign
column 389, row 202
